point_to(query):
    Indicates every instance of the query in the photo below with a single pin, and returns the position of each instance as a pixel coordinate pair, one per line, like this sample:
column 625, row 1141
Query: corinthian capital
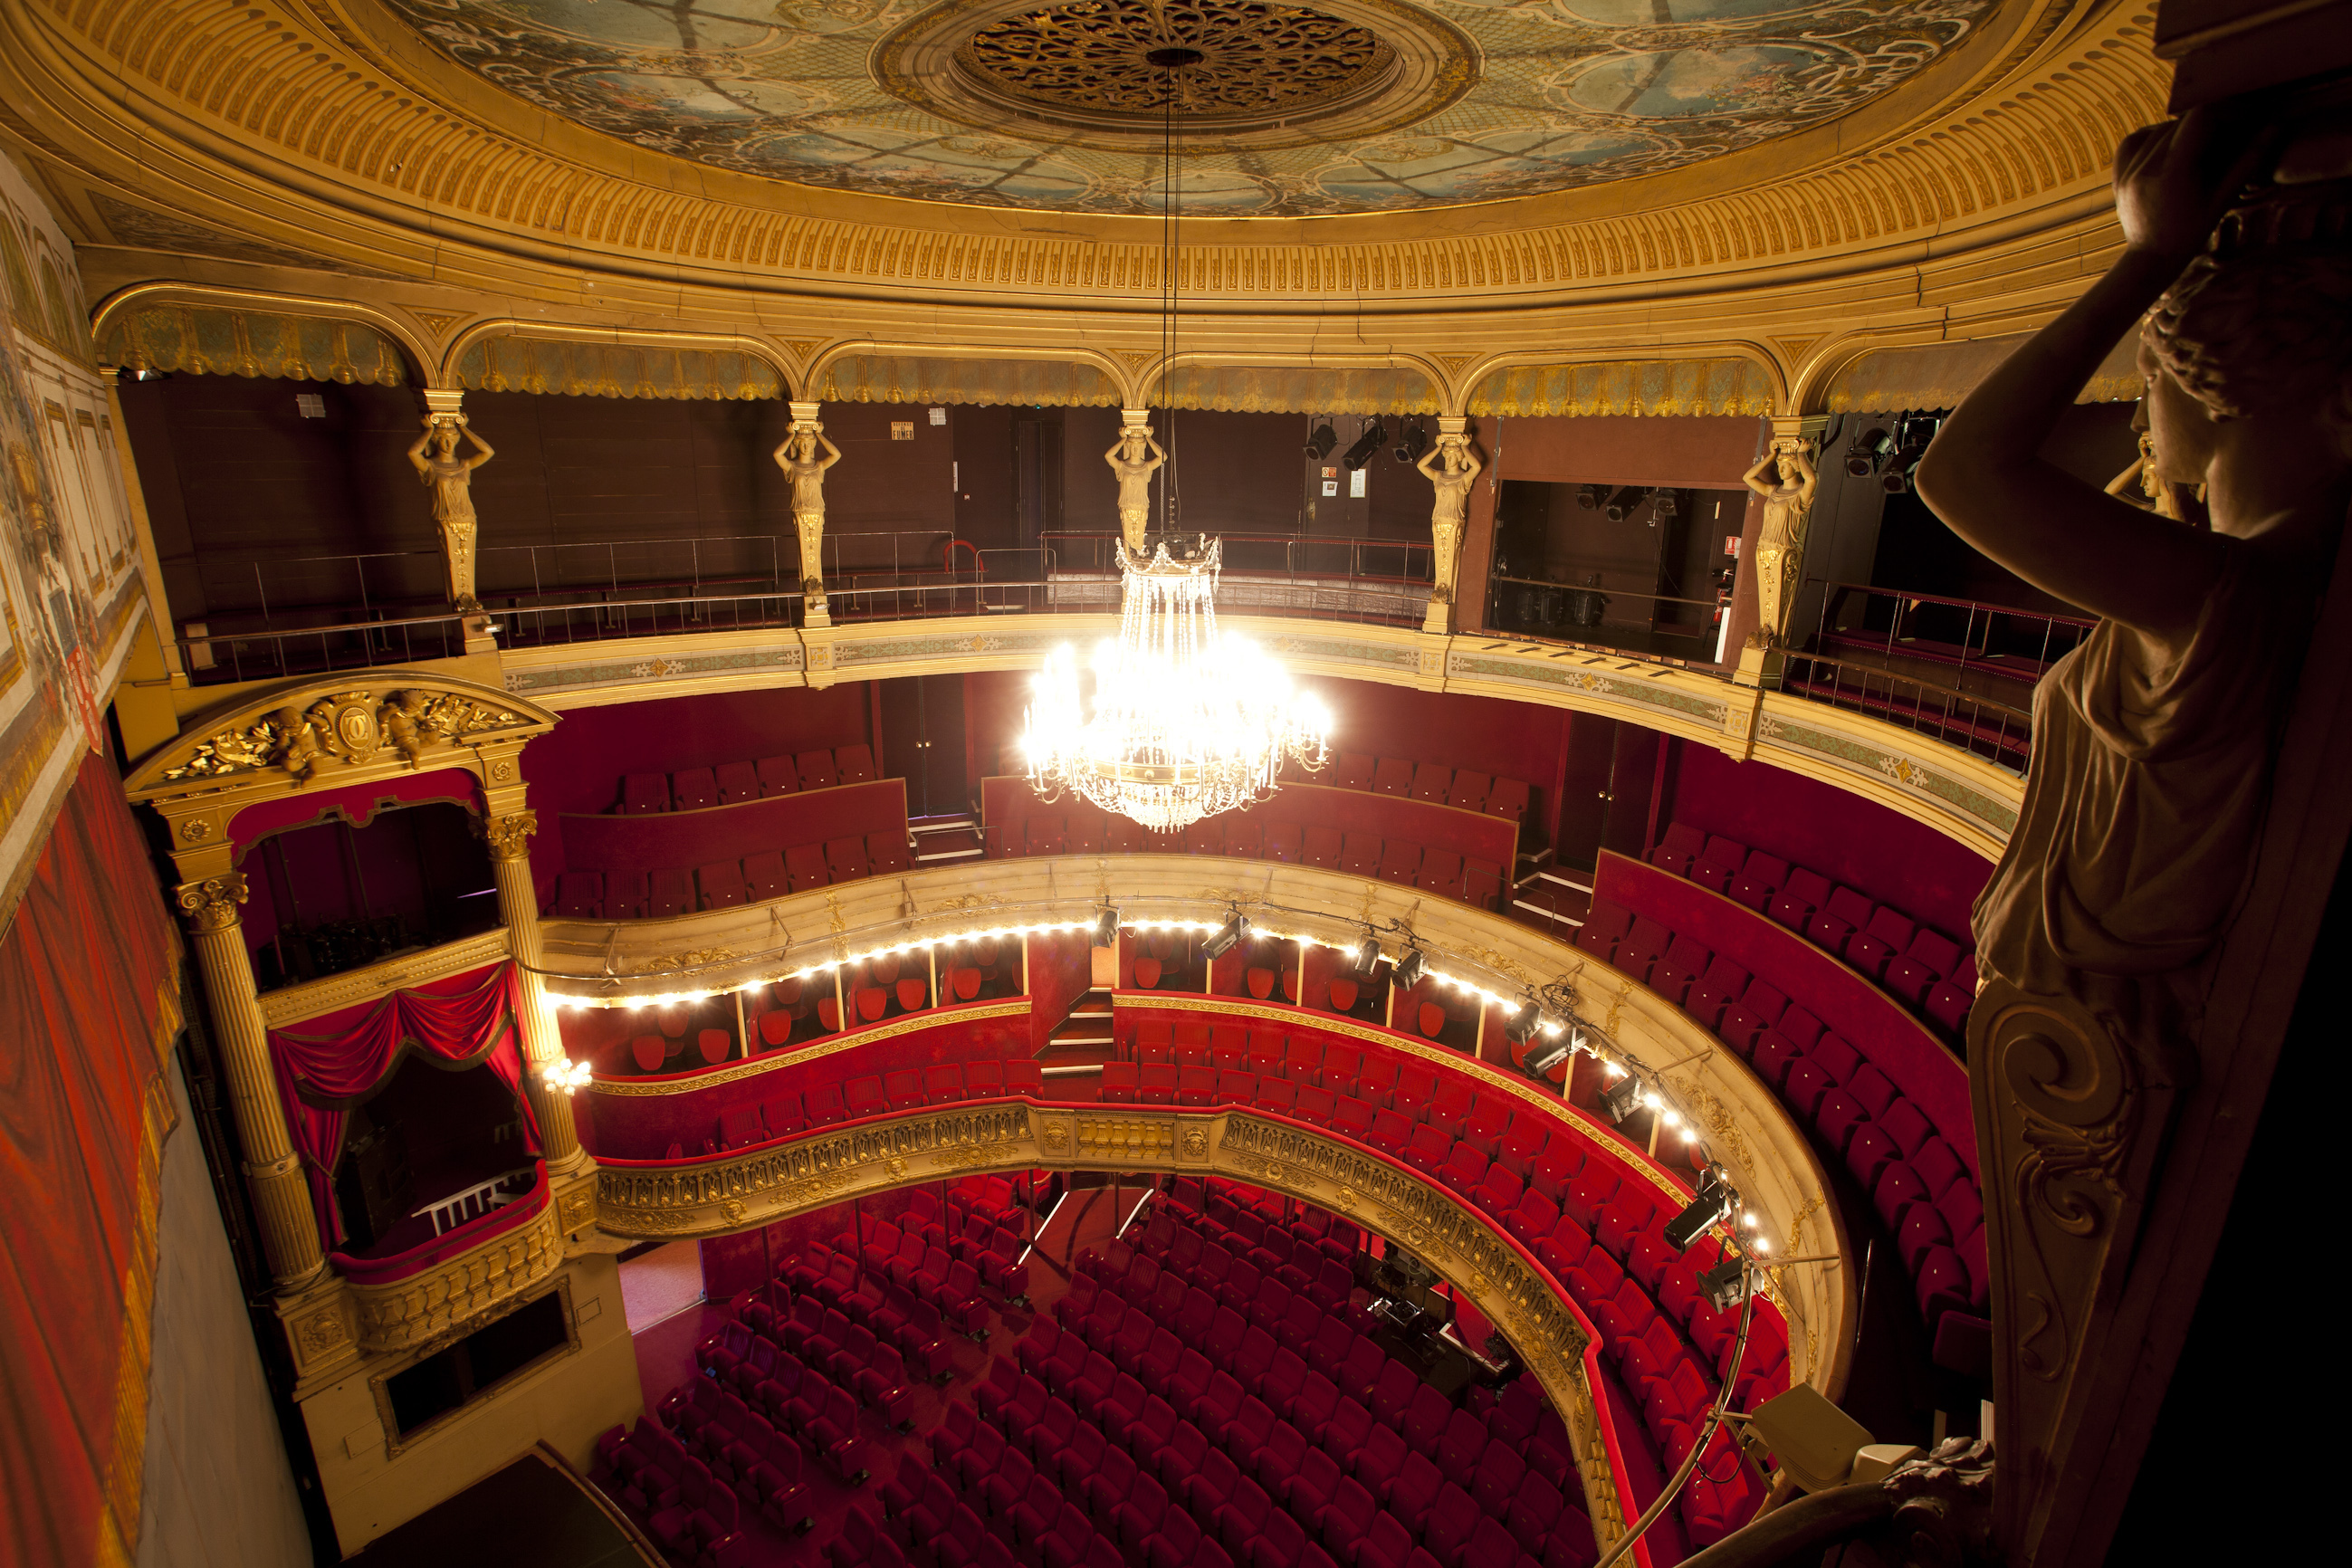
column 211, row 904
column 509, row 837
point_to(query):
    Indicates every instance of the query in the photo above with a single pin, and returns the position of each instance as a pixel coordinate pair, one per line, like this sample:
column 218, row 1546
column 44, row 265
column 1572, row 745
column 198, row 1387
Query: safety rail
column 1977, row 724
column 1262, row 554
column 1969, row 635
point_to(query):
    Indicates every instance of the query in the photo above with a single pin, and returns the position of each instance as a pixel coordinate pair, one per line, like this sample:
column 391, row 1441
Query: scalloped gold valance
column 1283, row 389
column 1635, row 387
column 203, row 340
column 517, row 363
column 988, row 383
column 1937, row 375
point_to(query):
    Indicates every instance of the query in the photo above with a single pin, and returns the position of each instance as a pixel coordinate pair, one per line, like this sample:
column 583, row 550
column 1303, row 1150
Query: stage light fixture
column 1545, row 1056
column 1523, row 1023
column 1708, row 1207
column 1622, row 1099
column 1622, row 501
column 1365, row 956
column 1868, row 450
column 1410, row 969
column 1724, row 1286
column 1897, row 479
column 1106, row 932
column 1414, row 444
column 1319, row 443
column 1374, row 438
column 1228, row 937
column 1588, row 495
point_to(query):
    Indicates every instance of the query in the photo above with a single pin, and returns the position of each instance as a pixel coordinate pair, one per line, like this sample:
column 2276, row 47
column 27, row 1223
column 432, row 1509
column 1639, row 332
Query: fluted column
column 509, row 837
column 282, row 1194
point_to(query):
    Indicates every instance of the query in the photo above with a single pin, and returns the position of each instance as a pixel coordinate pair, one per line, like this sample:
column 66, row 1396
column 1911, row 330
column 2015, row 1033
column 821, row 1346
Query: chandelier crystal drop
column 1186, row 722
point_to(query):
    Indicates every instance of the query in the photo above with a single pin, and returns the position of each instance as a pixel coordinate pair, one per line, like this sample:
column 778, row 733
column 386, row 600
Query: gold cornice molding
column 354, row 727
column 410, row 1311
column 358, row 139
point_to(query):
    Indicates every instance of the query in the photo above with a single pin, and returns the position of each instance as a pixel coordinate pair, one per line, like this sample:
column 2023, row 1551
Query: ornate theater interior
column 1601, row 835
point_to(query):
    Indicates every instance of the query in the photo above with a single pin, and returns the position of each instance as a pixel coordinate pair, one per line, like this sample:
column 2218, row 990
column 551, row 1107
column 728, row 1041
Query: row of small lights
column 568, row 1077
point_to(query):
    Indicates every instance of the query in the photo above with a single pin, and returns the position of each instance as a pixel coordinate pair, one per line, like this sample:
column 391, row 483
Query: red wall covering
column 1009, row 802
column 89, row 1004
column 355, row 803
column 1866, row 847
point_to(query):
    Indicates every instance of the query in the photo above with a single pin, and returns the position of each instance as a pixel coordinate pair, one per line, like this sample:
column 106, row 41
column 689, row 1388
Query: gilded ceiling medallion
column 1237, row 57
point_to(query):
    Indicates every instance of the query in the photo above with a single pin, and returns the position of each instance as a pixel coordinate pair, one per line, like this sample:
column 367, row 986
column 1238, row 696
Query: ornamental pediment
column 355, row 723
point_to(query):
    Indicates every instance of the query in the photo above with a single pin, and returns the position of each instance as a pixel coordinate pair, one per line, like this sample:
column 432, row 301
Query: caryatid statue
column 2148, row 786
column 798, row 456
column 1452, row 467
column 451, row 477
column 1781, row 547
column 1135, row 456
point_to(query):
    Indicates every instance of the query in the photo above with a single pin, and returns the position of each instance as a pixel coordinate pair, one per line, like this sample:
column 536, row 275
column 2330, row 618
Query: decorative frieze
column 409, row 1312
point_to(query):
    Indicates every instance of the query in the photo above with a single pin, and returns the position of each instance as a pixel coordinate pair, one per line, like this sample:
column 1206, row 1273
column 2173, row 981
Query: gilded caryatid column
column 805, row 456
column 282, row 1192
column 509, row 837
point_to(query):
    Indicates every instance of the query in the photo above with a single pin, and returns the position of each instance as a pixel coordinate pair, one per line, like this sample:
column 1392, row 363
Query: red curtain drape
column 88, row 1005
column 469, row 1019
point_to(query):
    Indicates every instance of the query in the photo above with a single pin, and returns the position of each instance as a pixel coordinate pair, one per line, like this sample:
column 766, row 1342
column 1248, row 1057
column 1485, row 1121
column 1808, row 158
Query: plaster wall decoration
column 69, row 575
column 1353, row 106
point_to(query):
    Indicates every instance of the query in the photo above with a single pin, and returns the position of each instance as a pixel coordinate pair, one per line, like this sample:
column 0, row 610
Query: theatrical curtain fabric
column 339, row 1060
column 89, row 1008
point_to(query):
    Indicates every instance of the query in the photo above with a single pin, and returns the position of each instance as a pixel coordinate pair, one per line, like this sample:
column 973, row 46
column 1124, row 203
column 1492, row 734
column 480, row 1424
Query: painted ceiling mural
column 1566, row 93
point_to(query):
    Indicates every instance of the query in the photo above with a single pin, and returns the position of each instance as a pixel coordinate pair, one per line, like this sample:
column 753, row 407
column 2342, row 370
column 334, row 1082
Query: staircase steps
column 940, row 840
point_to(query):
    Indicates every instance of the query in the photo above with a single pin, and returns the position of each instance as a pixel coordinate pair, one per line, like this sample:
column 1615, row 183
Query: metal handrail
column 1954, row 717
column 2058, row 634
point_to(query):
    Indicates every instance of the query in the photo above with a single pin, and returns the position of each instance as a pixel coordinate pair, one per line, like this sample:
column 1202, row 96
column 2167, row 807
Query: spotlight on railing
column 1523, row 1023
column 1106, row 932
column 1622, row 1099
column 1319, row 443
column 1724, row 1286
column 1374, row 438
column 1410, row 969
column 1897, row 477
column 1415, row 443
column 1708, row 1207
column 1622, row 501
column 1226, row 938
column 1365, row 956
column 1588, row 495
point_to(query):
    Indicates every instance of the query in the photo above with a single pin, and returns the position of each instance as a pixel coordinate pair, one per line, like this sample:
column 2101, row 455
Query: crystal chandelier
column 1186, row 722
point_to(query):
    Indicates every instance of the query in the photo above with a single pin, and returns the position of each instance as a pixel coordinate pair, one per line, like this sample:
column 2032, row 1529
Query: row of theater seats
column 1916, row 1180
column 725, row 884
column 822, row 1103
column 1929, row 972
column 1599, row 1230
column 1440, row 872
column 730, row 783
column 1462, row 788
column 670, row 1484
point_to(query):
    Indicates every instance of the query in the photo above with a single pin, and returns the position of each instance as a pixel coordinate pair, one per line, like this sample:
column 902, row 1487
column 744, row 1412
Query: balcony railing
column 1967, row 634
column 1992, row 730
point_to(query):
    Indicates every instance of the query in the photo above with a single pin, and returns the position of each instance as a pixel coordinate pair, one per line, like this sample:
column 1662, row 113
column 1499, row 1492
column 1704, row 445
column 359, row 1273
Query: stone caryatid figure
column 1135, row 456
column 2149, row 776
column 435, row 457
column 1452, row 467
column 1780, row 545
column 805, row 455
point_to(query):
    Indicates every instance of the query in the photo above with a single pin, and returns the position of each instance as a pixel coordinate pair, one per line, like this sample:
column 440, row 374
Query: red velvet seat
column 1360, row 854
column 1835, row 923
column 1679, row 849
column 804, row 863
column 1760, row 881
column 1440, row 873
column 1879, row 942
column 764, row 876
column 579, row 896
column 853, row 764
column 1720, row 861
column 779, row 776
column 817, row 770
column 1323, row 848
column 648, row 1052
column 844, row 860
column 1042, row 833
column 886, row 853
column 1604, row 927
column 719, row 885
column 627, row 895
column 943, row 1084
column 714, row 1046
column 693, row 789
column 1393, row 776
column 1284, row 842
column 1506, row 798
column 642, row 793
column 1467, row 790
column 1481, row 883
column 1352, row 771
column 669, row 893
column 1714, row 991
column 1400, row 863
column 736, row 781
